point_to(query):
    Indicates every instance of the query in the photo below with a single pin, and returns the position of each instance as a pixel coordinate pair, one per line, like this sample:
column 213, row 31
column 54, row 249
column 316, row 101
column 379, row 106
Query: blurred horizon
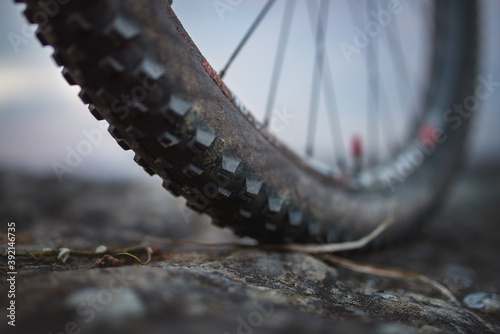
column 42, row 119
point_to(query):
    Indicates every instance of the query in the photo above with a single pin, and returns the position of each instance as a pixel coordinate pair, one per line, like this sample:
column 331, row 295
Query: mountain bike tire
column 184, row 125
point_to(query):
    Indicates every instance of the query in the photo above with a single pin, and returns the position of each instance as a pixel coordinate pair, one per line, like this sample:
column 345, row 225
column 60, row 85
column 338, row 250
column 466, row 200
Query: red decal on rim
column 428, row 133
column 216, row 79
column 357, row 147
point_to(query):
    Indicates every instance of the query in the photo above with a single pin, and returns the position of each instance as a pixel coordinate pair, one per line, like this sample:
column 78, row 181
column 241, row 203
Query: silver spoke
column 402, row 70
column 278, row 62
column 388, row 126
column 317, row 77
column 250, row 31
column 331, row 101
column 372, row 106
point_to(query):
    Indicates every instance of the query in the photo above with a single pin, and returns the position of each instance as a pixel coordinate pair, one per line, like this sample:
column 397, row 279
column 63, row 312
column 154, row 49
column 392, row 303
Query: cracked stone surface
column 196, row 289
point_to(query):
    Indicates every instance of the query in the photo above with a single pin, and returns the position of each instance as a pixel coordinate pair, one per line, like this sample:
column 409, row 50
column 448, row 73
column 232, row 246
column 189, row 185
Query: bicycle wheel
column 140, row 71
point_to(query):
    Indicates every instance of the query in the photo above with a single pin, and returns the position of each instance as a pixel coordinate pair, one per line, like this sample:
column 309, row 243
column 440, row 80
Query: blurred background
column 42, row 119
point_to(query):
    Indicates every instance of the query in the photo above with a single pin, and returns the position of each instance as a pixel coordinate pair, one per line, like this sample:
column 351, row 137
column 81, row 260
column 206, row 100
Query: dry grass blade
column 392, row 273
column 341, row 246
column 321, row 250
column 301, row 248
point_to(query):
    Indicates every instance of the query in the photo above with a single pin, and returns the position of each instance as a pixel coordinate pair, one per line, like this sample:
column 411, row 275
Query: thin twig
column 30, row 256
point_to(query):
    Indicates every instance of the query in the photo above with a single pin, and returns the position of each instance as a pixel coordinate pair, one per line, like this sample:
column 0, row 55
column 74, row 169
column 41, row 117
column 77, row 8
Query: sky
column 42, row 120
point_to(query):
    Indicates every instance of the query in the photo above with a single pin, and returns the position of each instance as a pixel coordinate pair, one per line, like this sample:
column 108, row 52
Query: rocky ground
column 195, row 289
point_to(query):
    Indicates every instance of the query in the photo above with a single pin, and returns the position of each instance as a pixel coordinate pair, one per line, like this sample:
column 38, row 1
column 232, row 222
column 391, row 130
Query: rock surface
column 195, row 289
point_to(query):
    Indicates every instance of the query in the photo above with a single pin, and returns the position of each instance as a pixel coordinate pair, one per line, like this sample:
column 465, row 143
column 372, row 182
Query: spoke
column 401, row 70
column 372, row 133
column 399, row 65
column 394, row 43
column 317, row 77
column 357, row 148
column 416, row 86
column 278, row 62
column 254, row 25
column 354, row 12
column 421, row 77
column 388, row 126
column 331, row 102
